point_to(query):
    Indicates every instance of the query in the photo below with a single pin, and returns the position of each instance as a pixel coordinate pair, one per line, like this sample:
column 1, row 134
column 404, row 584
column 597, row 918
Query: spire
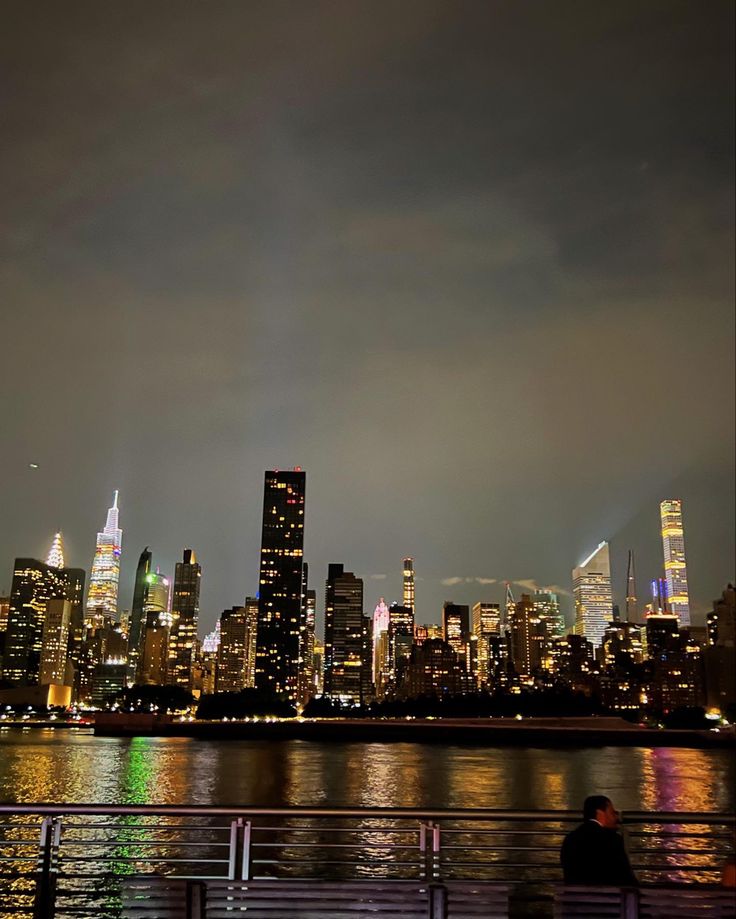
column 56, row 552
column 111, row 524
column 632, row 606
column 509, row 610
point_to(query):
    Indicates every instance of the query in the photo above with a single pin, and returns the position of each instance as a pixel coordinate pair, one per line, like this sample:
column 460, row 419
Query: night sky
column 469, row 264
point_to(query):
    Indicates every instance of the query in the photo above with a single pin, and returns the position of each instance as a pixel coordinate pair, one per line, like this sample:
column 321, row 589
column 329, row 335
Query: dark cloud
column 469, row 264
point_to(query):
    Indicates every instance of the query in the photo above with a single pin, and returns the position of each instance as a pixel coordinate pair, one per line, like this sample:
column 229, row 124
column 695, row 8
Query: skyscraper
column 153, row 660
column 184, row 619
column 251, row 633
column 409, row 584
column 591, row 583
column 136, row 631
column 280, row 583
column 156, row 605
column 105, row 575
column 55, row 642
column 34, row 584
column 632, row 604
column 456, row 625
column 400, row 638
column 526, row 636
column 344, row 635
column 547, row 608
column 233, row 652
column 306, row 639
column 675, row 568
column 486, row 622
column 380, row 625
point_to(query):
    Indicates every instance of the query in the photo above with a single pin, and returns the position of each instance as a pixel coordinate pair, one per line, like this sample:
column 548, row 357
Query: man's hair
column 593, row 804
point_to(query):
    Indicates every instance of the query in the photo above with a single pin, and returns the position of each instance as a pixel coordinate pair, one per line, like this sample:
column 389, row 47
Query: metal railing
column 73, row 860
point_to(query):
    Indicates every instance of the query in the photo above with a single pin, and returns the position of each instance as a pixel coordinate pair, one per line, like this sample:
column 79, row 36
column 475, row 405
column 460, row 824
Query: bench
column 169, row 898
column 644, row 903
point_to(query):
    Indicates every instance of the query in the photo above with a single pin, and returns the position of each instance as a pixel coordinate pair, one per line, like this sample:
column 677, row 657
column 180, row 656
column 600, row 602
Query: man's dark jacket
column 593, row 855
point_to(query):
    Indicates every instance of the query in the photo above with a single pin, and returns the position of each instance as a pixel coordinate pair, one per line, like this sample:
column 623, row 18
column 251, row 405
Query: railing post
column 232, row 867
column 436, row 845
column 44, row 905
column 630, row 904
column 423, row 850
column 437, row 901
column 245, row 864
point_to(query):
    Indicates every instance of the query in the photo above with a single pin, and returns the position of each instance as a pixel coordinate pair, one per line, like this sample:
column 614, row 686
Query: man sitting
column 594, row 854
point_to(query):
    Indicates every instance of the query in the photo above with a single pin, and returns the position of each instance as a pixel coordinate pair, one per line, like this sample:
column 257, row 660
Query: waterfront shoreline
column 538, row 732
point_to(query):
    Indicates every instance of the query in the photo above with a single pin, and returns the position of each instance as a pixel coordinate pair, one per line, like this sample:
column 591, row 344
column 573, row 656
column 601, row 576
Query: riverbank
column 529, row 732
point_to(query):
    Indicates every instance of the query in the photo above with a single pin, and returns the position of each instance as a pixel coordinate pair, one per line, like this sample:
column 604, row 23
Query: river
column 73, row 766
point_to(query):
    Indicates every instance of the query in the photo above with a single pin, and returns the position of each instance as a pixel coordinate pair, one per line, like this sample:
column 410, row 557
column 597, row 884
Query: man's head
column 600, row 808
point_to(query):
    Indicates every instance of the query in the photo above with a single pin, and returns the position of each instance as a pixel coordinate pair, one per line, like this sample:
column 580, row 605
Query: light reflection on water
column 62, row 766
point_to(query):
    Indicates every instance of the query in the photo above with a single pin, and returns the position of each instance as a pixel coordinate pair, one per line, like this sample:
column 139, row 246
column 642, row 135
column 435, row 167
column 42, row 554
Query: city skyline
column 478, row 589
column 471, row 265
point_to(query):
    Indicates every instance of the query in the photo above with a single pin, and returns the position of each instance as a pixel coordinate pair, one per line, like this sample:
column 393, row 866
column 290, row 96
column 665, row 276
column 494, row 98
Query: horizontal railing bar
column 140, row 859
column 470, row 814
column 162, row 844
column 318, row 828
column 333, row 845
column 286, row 862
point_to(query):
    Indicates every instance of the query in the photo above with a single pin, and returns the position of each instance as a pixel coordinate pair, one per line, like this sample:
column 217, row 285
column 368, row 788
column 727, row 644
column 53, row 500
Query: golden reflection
column 386, row 775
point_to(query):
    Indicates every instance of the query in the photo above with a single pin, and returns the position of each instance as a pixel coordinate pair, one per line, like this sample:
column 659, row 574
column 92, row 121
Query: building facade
column 105, row 575
column 409, row 597
column 184, row 619
column 486, row 622
column 675, row 566
column 280, row 584
column 344, row 635
column 137, row 623
column 591, row 584
column 34, row 584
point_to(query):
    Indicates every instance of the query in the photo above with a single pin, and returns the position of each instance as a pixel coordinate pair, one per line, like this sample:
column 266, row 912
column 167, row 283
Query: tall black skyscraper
column 137, row 623
column 280, row 607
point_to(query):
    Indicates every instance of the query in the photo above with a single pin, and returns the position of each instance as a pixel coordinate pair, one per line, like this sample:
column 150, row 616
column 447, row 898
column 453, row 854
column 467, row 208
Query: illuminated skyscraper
column 55, row 642
column 380, row 625
column 409, row 584
column 306, row 639
column 184, row 619
column 591, row 583
column 34, row 584
column 280, row 584
column 526, row 636
column 251, row 634
column 232, row 653
column 675, row 568
column 632, row 604
column 456, row 624
column 547, row 608
column 486, row 622
column 344, row 635
column 399, row 640
column 105, row 576
column 153, row 659
column 156, row 605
